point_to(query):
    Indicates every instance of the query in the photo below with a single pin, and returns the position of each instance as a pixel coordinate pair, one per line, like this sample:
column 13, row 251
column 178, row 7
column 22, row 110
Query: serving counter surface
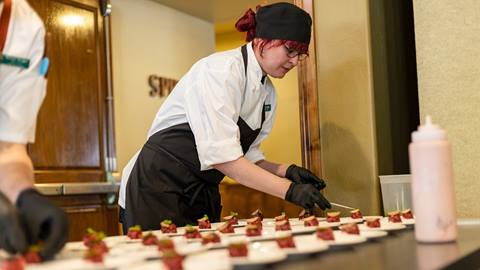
column 400, row 251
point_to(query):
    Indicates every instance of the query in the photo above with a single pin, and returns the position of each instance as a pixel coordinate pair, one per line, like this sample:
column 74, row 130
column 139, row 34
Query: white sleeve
column 21, row 94
column 212, row 107
column 127, row 170
column 254, row 154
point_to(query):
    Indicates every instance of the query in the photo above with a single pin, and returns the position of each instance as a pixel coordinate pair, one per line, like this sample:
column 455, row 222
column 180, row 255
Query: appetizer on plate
column 285, row 240
column 325, row 233
column 255, row 221
column 210, row 238
column 167, row 226
column 282, row 225
column 304, row 214
column 373, row 222
column 232, row 218
column 94, row 254
column 258, row 213
column 333, row 217
column 192, row 232
column 394, row 217
column 310, row 221
column 135, row 232
column 149, row 239
column 407, row 214
column 253, row 230
column 204, row 223
column 165, row 243
column 13, row 263
column 33, row 254
column 92, row 237
column 226, row 227
column 350, row 228
column 172, row 260
column 356, row 214
column 238, row 249
column 283, row 216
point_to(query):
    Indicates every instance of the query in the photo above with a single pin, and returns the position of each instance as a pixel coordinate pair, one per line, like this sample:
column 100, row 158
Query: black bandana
column 283, row 21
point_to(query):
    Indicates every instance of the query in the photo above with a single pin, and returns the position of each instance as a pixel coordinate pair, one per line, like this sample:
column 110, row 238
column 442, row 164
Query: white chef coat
column 22, row 90
column 211, row 97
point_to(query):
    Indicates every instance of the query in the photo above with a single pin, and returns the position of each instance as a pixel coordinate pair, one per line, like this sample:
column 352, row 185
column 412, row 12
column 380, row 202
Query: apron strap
column 4, row 21
column 245, row 58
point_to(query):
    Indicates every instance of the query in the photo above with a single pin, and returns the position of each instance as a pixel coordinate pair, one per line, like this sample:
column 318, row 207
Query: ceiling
column 216, row 11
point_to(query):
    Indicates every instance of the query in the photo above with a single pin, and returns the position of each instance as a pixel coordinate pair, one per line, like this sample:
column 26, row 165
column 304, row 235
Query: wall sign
column 160, row 86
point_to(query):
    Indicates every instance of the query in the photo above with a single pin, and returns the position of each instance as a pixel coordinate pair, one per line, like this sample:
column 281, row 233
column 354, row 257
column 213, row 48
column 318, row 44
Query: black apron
column 166, row 181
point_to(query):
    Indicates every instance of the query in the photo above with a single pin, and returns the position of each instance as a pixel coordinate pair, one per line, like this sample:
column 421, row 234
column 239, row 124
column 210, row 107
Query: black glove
column 43, row 222
column 303, row 176
column 306, row 196
column 12, row 236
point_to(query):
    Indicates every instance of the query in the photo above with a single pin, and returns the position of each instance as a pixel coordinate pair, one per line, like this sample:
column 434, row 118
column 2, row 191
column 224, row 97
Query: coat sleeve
column 212, row 107
column 22, row 90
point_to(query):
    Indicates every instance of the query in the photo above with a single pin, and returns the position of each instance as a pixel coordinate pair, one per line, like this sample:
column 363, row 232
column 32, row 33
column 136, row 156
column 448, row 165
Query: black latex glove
column 303, row 176
column 12, row 236
column 43, row 222
column 306, row 196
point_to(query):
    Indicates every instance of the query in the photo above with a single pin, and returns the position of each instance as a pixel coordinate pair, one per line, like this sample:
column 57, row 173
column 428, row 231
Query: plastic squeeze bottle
column 432, row 184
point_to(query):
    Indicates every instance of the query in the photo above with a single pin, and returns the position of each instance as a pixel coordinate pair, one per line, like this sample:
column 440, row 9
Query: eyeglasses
column 294, row 53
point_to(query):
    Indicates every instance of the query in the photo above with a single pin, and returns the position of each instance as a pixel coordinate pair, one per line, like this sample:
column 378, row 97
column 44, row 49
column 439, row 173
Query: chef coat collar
column 255, row 71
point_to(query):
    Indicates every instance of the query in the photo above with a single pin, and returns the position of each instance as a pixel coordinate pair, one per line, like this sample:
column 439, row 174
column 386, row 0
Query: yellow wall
column 346, row 106
column 448, row 55
column 283, row 144
column 149, row 38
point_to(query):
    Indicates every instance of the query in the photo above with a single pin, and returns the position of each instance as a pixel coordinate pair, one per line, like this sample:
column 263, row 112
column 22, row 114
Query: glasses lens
column 291, row 52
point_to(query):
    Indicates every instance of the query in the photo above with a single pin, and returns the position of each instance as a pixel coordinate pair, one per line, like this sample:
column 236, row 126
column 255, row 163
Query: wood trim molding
column 308, row 96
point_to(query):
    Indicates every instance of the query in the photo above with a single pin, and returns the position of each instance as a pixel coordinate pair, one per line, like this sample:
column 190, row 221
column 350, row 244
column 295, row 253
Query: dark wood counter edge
column 469, row 261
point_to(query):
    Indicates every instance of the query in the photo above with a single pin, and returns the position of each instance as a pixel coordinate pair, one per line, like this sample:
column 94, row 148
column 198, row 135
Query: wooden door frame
column 308, row 99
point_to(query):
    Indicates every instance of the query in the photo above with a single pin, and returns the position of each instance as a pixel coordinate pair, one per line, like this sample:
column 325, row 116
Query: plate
column 304, row 244
column 189, row 249
column 384, row 226
column 270, row 222
column 408, row 221
column 110, row 262
column 344, row 239
column 147, row 265
column 258, row 254
column 210, row 260
column 241, row 223
column 303, row 229
column 268, row 233
column 367, row 217
column 346, row 220
column 373, row 234
column 329, row 224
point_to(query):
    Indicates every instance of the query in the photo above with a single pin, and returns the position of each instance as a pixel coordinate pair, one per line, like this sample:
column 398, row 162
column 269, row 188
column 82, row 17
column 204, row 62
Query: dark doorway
column 395, row 82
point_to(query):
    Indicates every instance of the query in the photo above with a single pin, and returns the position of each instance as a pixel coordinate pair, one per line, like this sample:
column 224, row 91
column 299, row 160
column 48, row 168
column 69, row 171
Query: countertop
column 78, row 188
column 399, row 251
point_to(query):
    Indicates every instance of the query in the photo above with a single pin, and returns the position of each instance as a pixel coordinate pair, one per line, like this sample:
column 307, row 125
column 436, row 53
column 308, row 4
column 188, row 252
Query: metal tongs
column 340, row 205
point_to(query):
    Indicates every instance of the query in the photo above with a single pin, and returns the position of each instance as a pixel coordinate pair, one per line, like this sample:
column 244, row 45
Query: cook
column 212, row 125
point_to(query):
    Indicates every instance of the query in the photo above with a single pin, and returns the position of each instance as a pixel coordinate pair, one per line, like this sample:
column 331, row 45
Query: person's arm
column 277, row 169
column 16, row 170
column 250, row 175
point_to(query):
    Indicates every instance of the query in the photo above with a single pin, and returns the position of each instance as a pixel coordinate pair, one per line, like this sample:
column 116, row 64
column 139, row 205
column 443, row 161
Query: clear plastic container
column 396, row 192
